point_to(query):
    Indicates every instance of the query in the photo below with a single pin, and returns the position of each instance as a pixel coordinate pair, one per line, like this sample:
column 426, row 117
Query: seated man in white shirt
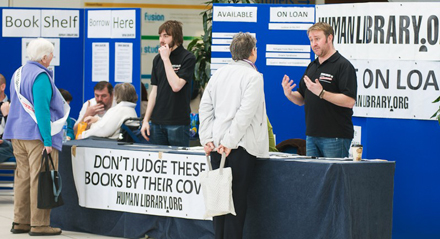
column 99, row 105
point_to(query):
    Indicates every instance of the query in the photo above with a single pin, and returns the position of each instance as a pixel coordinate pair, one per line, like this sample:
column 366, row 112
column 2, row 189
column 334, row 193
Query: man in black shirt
column 169, row 101
column 329, row 99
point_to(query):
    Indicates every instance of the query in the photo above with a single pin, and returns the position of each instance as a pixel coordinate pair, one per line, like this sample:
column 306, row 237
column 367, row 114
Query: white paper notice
column 235, row 14
column 287, row 62
column 123, row 24
column 20, row 23
column 56, row 51
column 288, row 48
column 100, row 61
column 60, row 23
column 289, row 26
column 99, row 24
column 52, row 68
column 123, row 61
column 292, row 14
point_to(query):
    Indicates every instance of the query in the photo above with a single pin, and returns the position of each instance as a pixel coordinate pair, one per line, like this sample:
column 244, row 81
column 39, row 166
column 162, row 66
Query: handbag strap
column 208, row 160
column 56, row 192
column 222, row 162
column 45, row 161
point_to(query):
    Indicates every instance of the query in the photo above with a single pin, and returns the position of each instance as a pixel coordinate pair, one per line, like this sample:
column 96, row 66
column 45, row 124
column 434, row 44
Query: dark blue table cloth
column 304, row 199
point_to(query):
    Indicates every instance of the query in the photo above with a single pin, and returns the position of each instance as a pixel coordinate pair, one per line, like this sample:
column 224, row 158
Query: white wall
column 47, row 3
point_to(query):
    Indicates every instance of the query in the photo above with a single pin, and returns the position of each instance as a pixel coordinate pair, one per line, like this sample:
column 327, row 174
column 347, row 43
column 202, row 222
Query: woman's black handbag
column 49, row 185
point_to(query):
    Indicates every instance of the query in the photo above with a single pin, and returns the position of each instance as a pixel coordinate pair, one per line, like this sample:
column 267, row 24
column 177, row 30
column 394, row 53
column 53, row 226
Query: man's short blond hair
column 322, row 26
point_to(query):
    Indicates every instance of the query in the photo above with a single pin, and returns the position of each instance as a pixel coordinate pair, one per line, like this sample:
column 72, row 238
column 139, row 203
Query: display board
column 64, row 27
column 283, row 48
column 395, row 49
column 112, row 49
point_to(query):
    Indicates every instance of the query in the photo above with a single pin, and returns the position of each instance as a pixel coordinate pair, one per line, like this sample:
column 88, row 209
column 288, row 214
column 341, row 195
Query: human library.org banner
column 397, row 89
column 396, row 31
column 155, row 183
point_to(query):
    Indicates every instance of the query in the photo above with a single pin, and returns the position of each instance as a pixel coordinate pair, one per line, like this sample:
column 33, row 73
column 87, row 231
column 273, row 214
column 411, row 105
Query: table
column 289, row 199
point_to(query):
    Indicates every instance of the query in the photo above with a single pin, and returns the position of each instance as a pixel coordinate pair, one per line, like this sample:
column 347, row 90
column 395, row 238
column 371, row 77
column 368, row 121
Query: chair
column 130, row 131
column 294, row 146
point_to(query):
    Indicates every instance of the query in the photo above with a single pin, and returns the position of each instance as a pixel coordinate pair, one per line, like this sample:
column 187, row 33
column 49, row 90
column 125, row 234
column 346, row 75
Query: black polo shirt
column 173, row 108
column 324, row 119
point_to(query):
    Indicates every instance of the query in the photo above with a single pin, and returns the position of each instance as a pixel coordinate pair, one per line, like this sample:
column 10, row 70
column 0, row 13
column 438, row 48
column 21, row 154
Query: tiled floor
column 6, row 216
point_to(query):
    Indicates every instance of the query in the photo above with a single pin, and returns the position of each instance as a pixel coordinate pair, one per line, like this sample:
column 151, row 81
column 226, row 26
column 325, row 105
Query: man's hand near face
column 94, row 109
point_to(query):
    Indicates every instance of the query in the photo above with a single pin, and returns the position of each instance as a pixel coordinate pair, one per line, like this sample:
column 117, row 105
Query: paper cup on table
column 357, row 152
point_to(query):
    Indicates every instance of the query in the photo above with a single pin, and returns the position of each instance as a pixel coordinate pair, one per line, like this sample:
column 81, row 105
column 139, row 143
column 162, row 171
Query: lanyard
column 250, row 63
column 56, row 126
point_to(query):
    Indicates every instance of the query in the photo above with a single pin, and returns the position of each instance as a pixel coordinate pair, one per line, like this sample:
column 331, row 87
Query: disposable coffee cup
column 357, row 152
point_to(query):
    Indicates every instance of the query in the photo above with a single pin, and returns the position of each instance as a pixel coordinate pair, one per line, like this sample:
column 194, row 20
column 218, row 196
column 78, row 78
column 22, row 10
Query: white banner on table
column 162, row 184
column 398, row 31
column 397, row 89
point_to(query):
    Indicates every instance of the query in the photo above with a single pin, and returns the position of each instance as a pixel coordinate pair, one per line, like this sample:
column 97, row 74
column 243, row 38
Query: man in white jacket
column 233, row 121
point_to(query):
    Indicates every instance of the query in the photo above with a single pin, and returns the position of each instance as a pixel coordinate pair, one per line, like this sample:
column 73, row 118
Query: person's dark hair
column 322, row 26
column 66, row 95
column 125, row 92
column 144, row 93
column 242, row 45
column 104, row 84
column 174, row 29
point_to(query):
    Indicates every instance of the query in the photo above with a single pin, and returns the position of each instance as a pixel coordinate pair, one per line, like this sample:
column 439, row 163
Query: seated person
column 70, row 123
column 6, row 151
column 109, row 125
column 99, row 105
column 144, row 100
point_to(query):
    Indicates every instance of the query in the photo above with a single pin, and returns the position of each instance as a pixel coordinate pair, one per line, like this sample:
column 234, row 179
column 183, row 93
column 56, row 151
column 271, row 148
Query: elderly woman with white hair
column 109, row 125
column 36, row 90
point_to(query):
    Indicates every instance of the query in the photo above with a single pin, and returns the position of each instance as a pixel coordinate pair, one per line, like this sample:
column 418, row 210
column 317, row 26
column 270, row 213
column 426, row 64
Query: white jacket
column 232, row 110
column 109, row 125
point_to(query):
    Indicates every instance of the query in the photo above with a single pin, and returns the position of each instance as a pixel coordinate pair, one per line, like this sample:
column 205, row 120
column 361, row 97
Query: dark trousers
column 242, row 165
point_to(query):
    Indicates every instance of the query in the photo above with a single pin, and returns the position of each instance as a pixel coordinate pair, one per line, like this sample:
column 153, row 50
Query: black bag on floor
column 49, row 185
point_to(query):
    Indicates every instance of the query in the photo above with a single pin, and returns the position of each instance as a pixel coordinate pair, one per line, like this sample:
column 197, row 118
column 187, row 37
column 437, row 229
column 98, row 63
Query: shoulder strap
column 56, row 126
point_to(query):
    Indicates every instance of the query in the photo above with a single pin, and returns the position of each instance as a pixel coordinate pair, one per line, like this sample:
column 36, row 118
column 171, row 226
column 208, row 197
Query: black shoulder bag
column 49, row 185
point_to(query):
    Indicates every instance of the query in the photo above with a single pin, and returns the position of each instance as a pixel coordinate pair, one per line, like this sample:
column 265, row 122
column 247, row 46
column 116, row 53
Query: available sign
column 40, row 23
